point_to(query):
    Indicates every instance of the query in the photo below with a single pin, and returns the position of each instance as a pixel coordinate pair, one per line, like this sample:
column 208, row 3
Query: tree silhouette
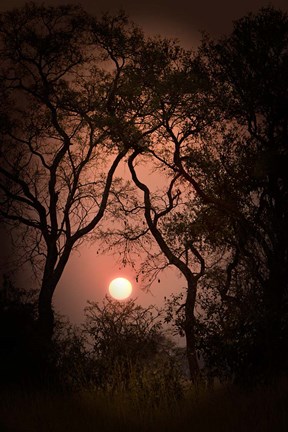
column 178, row 92
column 223, row 141
column 69, row 114
column 245, row 193
column 81, row 95
column 131, row 350
column 248, row 68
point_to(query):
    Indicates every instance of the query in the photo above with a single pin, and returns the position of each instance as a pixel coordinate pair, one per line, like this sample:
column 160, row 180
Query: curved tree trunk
column 183, row 267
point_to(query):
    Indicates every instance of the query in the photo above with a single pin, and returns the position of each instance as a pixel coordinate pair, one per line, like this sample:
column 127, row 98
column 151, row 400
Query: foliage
column 222, row 410
column 70, row 114
column 81, row 95
column 221, row 216
column 247, row 319
column 130, row 350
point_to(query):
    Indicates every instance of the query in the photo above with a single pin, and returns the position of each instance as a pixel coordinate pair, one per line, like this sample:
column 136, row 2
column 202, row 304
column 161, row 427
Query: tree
column 223, row 141
column 242, row 184
column 131, row 350
column 181, row 215
column 70, row 115
column 183, row 110
column 249, row 68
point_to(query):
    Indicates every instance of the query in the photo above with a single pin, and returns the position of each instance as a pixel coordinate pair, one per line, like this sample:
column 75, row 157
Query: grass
column 224, row 409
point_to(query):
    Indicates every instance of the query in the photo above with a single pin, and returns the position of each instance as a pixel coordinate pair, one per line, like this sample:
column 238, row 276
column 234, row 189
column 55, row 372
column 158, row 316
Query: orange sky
column 88, row 274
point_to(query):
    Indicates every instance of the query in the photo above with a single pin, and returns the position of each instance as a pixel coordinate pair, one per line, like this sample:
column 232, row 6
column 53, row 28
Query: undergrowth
column 226, row 408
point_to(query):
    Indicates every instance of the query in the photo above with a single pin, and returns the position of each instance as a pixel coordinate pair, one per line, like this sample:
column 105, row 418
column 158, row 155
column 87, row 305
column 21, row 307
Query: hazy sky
column 87, row 274
column 182, row 19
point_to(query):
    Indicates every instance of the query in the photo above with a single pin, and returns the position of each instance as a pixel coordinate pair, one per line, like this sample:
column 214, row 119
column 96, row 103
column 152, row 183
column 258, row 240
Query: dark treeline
column 79, row 96
column 121, row 346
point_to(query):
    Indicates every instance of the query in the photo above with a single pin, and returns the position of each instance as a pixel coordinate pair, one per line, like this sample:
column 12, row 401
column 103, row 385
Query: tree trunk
column 189, row 329
column 192, row 356
column 51, row 276
column 46, row 313
column 48, row 285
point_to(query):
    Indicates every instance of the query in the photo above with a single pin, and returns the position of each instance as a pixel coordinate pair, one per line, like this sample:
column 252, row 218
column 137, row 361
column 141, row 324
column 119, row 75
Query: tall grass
column 224, row 409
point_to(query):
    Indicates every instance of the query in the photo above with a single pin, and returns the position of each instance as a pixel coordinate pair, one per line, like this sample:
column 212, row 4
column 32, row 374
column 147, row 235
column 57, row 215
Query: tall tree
column 223, row 138
column 178, row 93
column 248, row 70
column 69, row 116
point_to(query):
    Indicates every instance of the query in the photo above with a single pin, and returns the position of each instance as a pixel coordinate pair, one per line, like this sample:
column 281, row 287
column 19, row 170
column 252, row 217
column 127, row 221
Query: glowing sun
column 120, row 288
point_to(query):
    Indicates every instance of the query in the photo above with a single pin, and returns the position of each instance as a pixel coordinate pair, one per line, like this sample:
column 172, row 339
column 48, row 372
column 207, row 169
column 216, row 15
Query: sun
column 120, row 288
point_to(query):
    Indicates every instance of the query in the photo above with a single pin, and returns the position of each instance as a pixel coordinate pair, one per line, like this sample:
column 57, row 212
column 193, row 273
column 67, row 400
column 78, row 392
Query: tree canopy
column 70, row 114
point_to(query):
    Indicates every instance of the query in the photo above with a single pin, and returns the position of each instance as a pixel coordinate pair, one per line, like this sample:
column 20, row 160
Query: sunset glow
column 120, row 288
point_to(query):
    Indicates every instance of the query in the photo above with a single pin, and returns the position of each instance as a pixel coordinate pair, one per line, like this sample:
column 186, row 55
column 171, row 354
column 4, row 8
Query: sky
column 88, row 274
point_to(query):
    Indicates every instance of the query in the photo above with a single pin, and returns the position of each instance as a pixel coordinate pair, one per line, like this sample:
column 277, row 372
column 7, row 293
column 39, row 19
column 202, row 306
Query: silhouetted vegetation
column 79, row 96
column 247, row 72
column 26, row 361
column 98, row 382
column 69, row 115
